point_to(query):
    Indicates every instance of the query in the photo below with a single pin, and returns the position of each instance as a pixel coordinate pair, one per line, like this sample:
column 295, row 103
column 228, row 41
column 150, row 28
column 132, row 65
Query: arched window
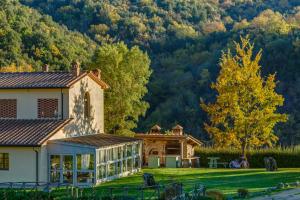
column 87, row 105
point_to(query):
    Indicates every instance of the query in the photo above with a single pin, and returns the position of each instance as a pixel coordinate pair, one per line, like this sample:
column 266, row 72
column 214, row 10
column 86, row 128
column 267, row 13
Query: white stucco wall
column 27, row 100
column 22, row 165
column 79, row 126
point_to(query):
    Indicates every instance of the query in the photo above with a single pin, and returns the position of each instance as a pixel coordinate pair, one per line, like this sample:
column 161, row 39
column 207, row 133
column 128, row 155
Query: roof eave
column 54, row 131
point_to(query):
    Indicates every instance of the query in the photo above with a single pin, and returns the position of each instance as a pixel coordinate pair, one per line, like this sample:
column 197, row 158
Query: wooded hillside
column 184, row 39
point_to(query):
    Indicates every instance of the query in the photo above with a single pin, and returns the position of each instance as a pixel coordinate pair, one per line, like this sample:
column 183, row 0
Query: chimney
column 155, row 129
column 177, row 130
column 97, row 73
column 75, row 68
column 45, row 68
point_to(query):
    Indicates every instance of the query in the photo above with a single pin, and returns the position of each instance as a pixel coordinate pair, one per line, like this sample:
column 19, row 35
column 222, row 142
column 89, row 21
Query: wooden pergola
column 175, row 143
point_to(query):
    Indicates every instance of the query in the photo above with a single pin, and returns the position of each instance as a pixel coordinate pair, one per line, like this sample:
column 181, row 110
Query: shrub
column 243, row 193
column 285, row 157
column 215, row 194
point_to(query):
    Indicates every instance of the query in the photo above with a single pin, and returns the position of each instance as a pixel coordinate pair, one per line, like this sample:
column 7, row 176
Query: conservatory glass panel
column 55, row 176
column 101, row 171
column 112, row 169
column 119, row 169
column 124, row 166
column 129, row 164
column 137, row 162
column 55, row 162
column 85, row 177
column 67, row 177
column 85, row 161
column 115, row 153
column 120, row 149
column 129, row 150
column 67, row 162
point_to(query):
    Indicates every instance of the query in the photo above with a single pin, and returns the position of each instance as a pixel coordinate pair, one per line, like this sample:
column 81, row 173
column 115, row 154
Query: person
column 244, row 163
column 235, row 164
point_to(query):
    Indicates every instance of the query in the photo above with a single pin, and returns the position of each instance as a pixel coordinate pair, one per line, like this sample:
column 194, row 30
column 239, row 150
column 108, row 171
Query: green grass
column 226, row 180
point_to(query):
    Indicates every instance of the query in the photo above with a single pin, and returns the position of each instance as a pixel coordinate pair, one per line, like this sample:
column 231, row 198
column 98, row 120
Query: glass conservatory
column 80, row 163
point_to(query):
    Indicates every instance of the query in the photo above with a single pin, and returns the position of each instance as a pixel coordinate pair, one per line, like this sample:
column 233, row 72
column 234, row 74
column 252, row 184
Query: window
column 47, row 108
column 87, row 105
column 4, row 161
column 129, row 150
column 55, row 168
column 85, row 161
column 85, row 168
column 68, row 169
column 129, row 164
column 8, row 108
column 101, row 171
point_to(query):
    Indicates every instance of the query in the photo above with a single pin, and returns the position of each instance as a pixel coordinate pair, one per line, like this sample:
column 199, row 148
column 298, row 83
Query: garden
column 224, row 182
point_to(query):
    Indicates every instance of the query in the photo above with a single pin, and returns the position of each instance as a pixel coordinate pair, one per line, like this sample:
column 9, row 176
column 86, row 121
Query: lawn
column 226, row 180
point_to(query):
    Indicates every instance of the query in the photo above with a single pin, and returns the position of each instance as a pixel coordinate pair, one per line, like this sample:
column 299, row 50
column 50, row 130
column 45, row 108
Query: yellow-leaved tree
column 245, row 111
column 14, row 68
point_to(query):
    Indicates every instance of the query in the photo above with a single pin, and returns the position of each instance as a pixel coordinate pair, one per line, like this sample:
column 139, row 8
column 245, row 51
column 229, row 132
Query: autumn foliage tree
column 244, row 114
column 14, row 68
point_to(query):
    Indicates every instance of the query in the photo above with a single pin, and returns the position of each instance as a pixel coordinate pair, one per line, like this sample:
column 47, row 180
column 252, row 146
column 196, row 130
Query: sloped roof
column 177, row 127
column 23, row 80
column 187, row 137
column 16, row 132
column 97, row 140
column 156, row 127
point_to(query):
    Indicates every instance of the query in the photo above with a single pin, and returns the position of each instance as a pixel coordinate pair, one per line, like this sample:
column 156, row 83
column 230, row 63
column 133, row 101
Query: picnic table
column 213, row 162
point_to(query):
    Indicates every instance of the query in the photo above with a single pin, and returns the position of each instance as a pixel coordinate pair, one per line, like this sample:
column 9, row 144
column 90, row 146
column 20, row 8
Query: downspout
column 36, row 165
column 62, row 103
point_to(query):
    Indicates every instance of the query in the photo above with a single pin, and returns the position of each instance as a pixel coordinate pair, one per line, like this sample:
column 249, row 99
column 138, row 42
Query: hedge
column 285, row 157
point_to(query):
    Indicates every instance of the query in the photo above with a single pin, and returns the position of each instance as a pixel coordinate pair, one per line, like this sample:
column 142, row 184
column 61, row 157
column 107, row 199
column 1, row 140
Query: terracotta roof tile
column 20, row 80
column 98, row 140
column 16, row 132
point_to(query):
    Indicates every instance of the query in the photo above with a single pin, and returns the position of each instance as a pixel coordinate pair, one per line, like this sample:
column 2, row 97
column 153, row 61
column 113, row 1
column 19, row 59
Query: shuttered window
column 8, row 108
column 47, row 108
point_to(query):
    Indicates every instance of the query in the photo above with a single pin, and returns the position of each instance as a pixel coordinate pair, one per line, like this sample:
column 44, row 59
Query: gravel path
column 293, row 194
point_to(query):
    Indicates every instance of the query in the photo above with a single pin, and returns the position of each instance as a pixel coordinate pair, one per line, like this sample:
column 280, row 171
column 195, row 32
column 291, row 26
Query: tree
column 14, row 68
column 244, row 113
column 127, row 72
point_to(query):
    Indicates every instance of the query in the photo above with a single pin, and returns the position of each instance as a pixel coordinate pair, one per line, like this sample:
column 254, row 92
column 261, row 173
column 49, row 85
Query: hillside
column 185, row 40
column 30, row 38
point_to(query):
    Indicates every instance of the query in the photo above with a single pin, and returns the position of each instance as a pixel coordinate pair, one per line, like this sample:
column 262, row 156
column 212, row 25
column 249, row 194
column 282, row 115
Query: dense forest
column 28, row 38
column 184, row 39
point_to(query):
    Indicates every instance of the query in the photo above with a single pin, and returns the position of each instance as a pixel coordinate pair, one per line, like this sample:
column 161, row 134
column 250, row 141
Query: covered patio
column 170, row 147
column 92, row 159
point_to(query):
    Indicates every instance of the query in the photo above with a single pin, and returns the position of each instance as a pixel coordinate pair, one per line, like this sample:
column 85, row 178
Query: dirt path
column 293, row 194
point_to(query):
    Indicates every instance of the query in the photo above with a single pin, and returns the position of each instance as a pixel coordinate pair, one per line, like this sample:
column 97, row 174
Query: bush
column 285, row 157
column 215, row 194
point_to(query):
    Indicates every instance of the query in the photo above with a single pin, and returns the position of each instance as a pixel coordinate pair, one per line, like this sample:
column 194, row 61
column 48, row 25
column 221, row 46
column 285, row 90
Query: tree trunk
column 244, row 148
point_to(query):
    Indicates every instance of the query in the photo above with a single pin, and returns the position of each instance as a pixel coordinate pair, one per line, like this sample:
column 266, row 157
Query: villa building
column 52, row 130
column 169, row 145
